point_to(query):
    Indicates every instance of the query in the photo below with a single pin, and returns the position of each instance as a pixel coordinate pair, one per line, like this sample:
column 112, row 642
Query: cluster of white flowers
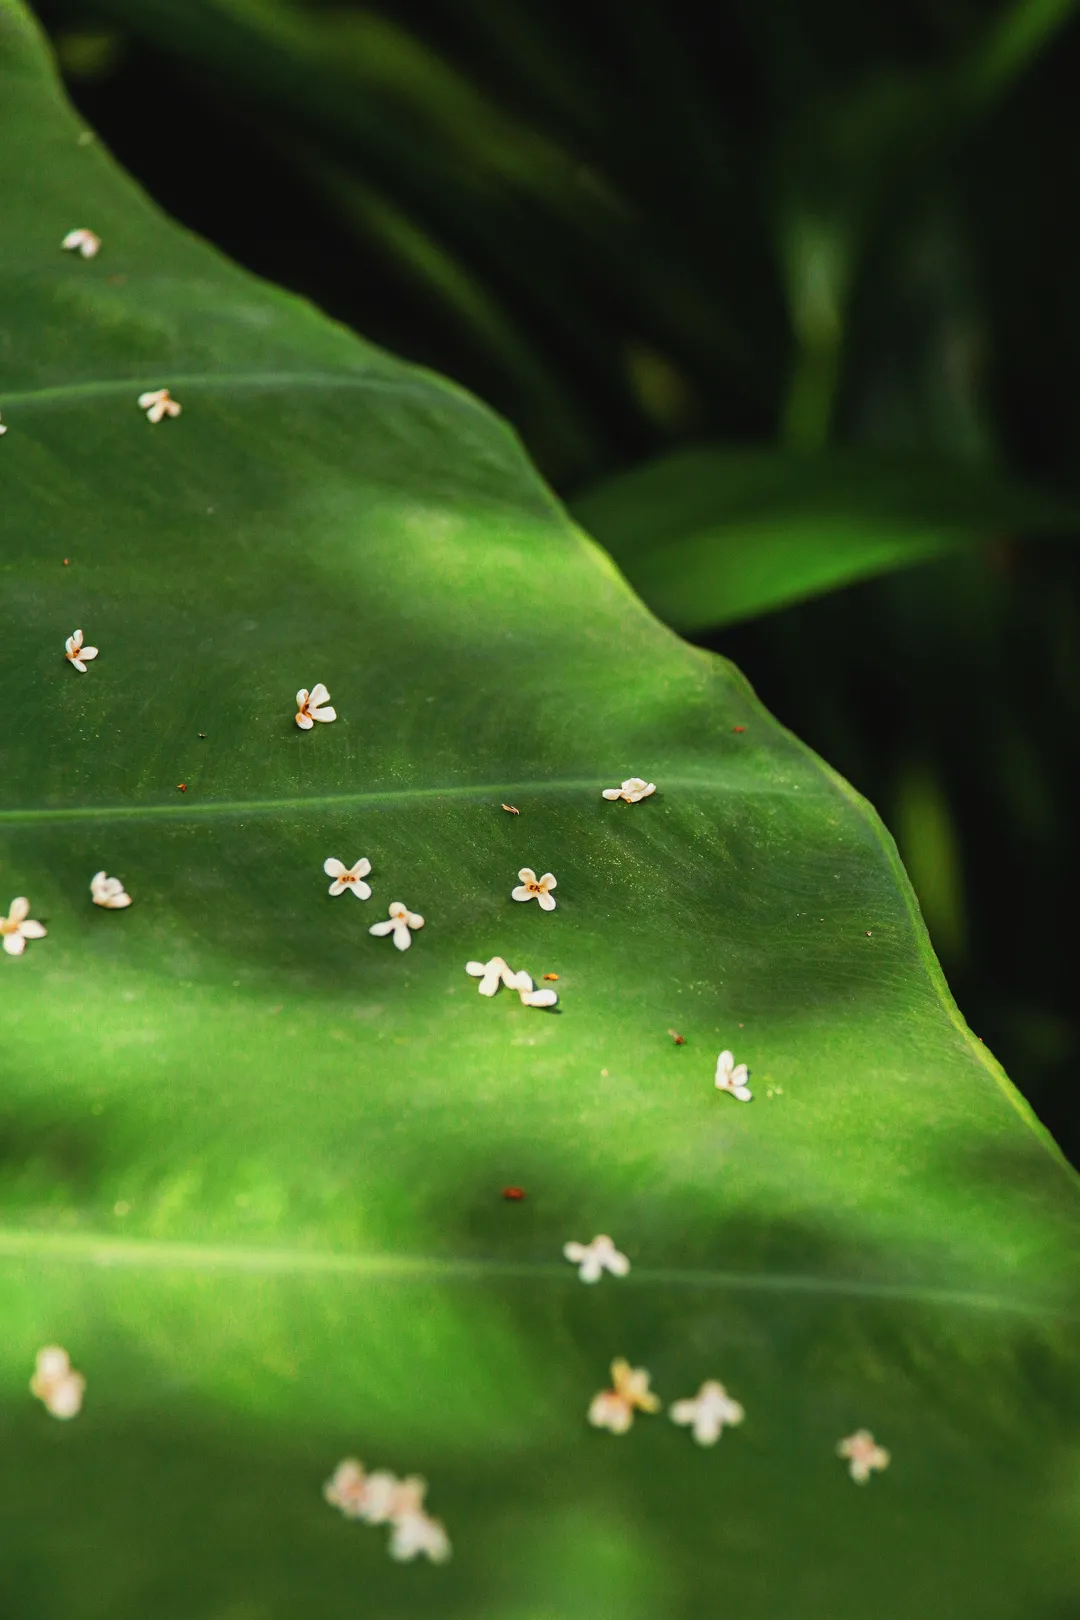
column 705, row 1413
column 56, row 1383
column 382, row 1498
column 497, row 972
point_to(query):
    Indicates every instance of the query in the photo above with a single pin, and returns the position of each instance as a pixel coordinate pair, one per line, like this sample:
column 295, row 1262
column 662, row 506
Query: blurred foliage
column 811, row 225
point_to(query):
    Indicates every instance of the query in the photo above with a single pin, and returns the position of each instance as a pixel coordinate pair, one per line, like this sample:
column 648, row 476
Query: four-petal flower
column 633, row 789
column 597, row 1257
column 614, row 1408
column 491, row 974
column 401, row 920
column 349, row 877
column 863, row 1455
column 76, row 654
column 109, row 892
column 88, row 243
column 533, row 888
column 707, row 1413
column 56, row 1384
column 158, row 402
column 18, row 926
column 312, row 706
column 732, row 1076
column 530, row 996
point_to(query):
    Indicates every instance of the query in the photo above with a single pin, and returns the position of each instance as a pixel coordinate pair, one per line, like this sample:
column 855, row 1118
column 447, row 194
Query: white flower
column 633, row 789
column 82, row 241
column 78, row 655
column 530, row 995
column 108, row 892
column 415, row 1533
column 710, row 1409
column 597, row 1257
column 347, row 1488
column 491, row 974
column 534, row 888
column 614, row 1408
column 158, row 402
column 3, row 429
column 56, row 1384
column 862, row 1454
column 18, row 926
column 401, row 920
column 732, row 1076
column 310, row 706
column 349, row 877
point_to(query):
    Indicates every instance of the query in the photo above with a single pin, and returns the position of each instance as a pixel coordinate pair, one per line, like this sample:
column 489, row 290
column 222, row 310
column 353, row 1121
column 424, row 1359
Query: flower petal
column 520, row 893
column 19, row 908
column 383, row 927
column 333, row 867
column 545, row 902
column 612, row 793
column 361, row 890
column 318, row 694
column 527, row 875
column 14, row 944
column 337, row 887
column 305, row 722
column 324, row 715
column 402, row 937
column 31, row 929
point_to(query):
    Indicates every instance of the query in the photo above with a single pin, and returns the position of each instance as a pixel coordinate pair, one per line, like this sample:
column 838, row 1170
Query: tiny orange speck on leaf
column 551, row 975
column 680, row 1040
column 181, row 787
column 738, row 728
column 513, row 1195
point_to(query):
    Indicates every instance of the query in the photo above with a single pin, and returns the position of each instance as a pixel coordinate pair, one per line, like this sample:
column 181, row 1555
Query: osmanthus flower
column 614, row 1408
column 18, row 926
column 633, row 789
column 401, row 920
column 533, row 888
column 707, row 1413
column 77, row 654
column 530, row 996
column 863, row 1455
column 56, row 1383
column 312, row 706
column 414, row 1533
column 158, row 402
column 3, row 429
column 88, row 243
column 382, row 1498
column 594, row 1258
column 347, row 1488
column 349, row 877
column 109, row 892
column 732, row 1076
column 491, row 974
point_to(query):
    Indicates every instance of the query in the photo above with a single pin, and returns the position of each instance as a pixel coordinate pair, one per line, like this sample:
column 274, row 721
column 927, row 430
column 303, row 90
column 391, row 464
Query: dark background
column 799, row 223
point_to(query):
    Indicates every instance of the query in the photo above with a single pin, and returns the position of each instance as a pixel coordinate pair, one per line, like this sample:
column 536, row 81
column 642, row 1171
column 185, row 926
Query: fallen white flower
column 533, row 888
column 531, row 997
column 709, row 1410
column 597, row 1257
column 415, row 1533
column 633, row 789
column 56, row 1384
column 491, row 974
column 18, row 926
column 82, row 241
column 109, row 892
column 732, row 1076
column 3, row 429
column 312, row 706
column 614, row 1408
column 349, row 877
column 401, row 920
column 76, row 654
column 347, row 1488
column 862, row 1454
column 158, row 402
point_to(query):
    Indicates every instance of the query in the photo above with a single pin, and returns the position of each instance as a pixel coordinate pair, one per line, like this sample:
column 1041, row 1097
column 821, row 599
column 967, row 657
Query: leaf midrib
column 106, row 1251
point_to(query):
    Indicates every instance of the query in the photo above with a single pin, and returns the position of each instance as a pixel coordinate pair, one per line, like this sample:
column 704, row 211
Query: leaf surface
column 709, row 537
column 251, row 1157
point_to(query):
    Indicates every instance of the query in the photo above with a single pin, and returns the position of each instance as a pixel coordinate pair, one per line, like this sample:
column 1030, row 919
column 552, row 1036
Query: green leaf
column 251, row 1157
column 709, row 537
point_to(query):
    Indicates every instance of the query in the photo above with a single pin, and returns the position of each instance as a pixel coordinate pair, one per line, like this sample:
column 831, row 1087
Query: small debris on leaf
column 513, row 1195
column 67, row 562
column 680, row 1040
column 511, row 809
column 88, row 243
column 202, row 734
column 738, row 728
column 181, row 787
column 552, row 976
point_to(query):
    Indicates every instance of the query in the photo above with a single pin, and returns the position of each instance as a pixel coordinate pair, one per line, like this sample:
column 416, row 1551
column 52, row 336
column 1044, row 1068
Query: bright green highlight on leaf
column 709, row 537
column 251, row 1158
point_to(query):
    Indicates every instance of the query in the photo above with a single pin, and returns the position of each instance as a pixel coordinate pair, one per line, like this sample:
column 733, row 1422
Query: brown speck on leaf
column 513, row 1195
column 603, row 1074
column 738, row 728
column 869, row 935
column 181, row 787
column 680, row 1040
column 67, row 562
column 116, row 281
column 551, row 976
column 202, row 734
column 511, row 809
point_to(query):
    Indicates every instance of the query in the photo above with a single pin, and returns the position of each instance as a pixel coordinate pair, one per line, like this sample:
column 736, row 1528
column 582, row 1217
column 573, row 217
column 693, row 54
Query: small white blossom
column 347, row 1488
column 18, row 926
column 862, row 1454
column 3, row 429
column 77, row 654
column 614, row 1408
column 533, row 888
column 633, row 789
column 109, row 892
column 158, row 402
column 349, row 877
column 530, row 995
column 415, row 1533
column 312, row 706
column 491, row 974
column 732, row 1076
column 401, row 920
column 82, row 241
column 595, row 1258
column 707, row 1413
column 56, row 1384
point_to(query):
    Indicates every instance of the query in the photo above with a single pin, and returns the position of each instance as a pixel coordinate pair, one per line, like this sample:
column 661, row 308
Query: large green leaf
column 251, row 1157
column 710, row 537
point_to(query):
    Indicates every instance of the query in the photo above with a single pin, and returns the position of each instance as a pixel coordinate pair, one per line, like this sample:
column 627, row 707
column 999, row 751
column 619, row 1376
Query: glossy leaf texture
column 252, row 1158
column 713, row 536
